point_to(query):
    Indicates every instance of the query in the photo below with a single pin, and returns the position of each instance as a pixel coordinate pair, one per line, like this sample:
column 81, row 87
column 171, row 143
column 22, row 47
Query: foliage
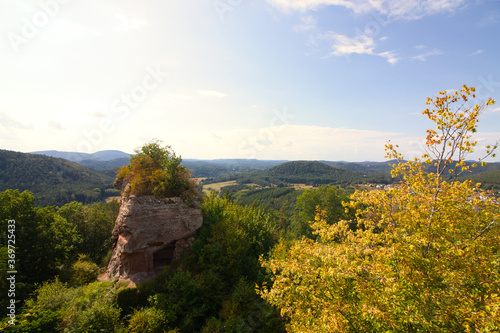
column 330, row 198
column 425, row 255
column 488, row 180
column 93, row 225
column 244, row 311
column 156, row 170
column 84, row 271
column 233, row 238
column 222, row 269
column 41, row 321
column 57, row 307
column 274, row 197
column 43, row 241
column 53, row 181
column 148, row 320
column 130, row 299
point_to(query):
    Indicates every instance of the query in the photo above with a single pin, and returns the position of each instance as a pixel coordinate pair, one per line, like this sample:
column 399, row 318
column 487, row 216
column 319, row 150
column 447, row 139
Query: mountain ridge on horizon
column 111, row 154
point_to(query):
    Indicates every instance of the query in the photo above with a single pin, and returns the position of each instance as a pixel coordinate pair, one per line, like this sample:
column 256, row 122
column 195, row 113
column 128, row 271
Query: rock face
column 149, row 233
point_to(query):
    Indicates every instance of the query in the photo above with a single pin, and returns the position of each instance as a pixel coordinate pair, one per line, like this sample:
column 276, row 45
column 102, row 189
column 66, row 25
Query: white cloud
column 212, row 93
column 390, row 56
column 476, row 53
column 363, row 44
column 344, row 45
column 307, row 23
column 424, row 56
column 408, row 9
column 491, row 18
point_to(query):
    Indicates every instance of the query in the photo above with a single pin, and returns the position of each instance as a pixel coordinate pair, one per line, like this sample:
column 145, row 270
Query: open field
column 218, row 186
column 109, row 199
column 302, row 186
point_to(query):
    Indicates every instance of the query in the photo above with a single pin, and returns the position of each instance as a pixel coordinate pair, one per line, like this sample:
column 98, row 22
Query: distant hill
column 111, row 165
column 379, row 172
column 363, row 167
column 53, row 181
column 298, row 172
column 488, row 179
column 102, row 160
column 111, row 160
column 104, row 155
column 311, row 172
column 108, row 161
column 219, row 167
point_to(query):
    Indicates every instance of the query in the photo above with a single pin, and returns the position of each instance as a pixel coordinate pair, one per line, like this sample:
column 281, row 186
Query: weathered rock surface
column 149, row 233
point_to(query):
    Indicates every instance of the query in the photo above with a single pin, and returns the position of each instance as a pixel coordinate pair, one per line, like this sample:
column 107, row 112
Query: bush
column 84, row 271
column 149, row 320
column 130, row 299
column 156, row 170
column 98, row 317
column 95, row 309
column 42, row 321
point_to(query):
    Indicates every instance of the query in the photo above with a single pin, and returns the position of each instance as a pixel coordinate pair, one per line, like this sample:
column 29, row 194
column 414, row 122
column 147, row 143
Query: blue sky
column 275, row 79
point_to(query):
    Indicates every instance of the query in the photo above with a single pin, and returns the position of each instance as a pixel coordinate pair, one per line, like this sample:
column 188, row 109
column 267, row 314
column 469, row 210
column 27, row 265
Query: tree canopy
column 423, row 258
column 156, row 170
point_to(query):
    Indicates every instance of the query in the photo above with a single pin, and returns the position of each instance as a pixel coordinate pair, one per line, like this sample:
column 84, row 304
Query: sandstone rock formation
column 149, row 233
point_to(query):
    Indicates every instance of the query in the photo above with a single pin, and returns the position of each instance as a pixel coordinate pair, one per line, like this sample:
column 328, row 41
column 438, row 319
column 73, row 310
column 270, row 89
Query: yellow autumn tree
column 425, row 256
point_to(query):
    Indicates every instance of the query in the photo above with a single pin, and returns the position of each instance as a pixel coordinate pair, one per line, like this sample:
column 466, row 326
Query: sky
column 265, row 79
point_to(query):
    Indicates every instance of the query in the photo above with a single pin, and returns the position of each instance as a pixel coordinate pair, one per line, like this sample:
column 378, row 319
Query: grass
column 218, row 186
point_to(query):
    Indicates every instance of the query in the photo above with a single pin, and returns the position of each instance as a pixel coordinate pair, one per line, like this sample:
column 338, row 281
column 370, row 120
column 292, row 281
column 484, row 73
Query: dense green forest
column 229, row 281
column 299, row 172
column 210, row 290
column 53, row 181
column 488, row 179
column 343, row 174
column 270, row 172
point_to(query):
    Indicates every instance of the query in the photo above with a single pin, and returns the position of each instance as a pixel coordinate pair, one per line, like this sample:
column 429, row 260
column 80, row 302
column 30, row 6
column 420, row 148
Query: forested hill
column 489, row 179
column 364, row 167
column 302, row 172
column 53, row 181
column 101, row 160
column 103, row 155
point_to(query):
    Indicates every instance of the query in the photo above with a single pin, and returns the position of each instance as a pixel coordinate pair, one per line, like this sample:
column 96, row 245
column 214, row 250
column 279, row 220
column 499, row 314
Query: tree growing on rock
column 424, row 258
column 156, row 170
